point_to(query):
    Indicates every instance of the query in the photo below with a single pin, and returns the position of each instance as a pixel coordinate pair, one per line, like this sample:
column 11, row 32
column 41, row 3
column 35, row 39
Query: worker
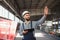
column 28, row 26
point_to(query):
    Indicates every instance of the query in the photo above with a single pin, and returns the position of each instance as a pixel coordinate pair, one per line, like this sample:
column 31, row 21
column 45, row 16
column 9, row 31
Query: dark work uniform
column 30, row 27
column 29, row 35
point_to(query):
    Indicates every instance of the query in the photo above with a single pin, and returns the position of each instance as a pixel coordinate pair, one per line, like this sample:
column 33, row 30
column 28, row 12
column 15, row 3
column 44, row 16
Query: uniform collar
column 27, row 22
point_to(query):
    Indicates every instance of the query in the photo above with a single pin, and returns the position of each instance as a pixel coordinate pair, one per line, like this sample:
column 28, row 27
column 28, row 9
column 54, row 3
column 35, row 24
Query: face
column 27, row 16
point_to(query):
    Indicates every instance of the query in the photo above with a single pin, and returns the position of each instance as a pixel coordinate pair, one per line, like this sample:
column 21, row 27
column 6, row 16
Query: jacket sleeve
column 40, row 21
column 21, row 29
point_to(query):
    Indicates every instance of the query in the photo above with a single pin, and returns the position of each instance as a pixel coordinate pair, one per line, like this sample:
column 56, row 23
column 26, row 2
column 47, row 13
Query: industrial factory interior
column 11, row 13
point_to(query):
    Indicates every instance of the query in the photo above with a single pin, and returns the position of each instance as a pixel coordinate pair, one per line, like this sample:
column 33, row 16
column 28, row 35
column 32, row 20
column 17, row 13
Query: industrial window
column 1, row 10
column 7, row 14
column 16, row 19
column 11, row 16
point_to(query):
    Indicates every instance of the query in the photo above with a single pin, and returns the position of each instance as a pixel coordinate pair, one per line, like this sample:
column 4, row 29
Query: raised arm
column 40, row 21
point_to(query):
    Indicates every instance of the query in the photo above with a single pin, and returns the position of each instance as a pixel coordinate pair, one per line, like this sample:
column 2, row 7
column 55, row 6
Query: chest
column 28, row 26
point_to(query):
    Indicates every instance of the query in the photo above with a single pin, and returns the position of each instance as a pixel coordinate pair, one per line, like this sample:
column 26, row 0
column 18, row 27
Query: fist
column 46, row 10
column 25, row 32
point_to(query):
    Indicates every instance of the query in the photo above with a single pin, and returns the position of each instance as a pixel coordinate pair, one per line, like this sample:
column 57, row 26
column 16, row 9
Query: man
column 28, row 26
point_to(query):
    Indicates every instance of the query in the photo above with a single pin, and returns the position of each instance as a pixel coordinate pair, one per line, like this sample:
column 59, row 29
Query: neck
column 27, row 20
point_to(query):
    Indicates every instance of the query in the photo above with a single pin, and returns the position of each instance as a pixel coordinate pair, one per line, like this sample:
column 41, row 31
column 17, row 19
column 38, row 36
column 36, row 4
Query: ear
column 24, row 17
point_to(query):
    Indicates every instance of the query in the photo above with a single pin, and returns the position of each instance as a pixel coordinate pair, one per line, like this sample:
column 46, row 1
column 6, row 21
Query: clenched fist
column 25, row 32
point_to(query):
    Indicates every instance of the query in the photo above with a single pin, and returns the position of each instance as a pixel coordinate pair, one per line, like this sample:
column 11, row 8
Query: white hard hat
column 25, row 12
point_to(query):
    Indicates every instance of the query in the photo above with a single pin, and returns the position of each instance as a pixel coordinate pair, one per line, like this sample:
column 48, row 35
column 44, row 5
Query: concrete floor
column 41, row 36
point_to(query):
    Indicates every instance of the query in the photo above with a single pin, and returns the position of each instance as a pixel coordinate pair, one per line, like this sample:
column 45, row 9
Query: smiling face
column 26, row 16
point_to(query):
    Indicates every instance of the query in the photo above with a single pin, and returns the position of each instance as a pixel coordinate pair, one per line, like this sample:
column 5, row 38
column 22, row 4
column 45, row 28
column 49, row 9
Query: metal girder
column 37, row 4
column 0, row 0
column 16, row 13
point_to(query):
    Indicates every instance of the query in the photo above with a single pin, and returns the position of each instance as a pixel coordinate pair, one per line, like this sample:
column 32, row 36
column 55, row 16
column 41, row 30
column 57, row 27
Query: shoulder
column 33, row 22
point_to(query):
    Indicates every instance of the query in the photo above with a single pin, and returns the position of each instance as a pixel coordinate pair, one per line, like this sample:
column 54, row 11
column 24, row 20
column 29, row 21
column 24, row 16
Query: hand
column 25, row 32
column 46, row 10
